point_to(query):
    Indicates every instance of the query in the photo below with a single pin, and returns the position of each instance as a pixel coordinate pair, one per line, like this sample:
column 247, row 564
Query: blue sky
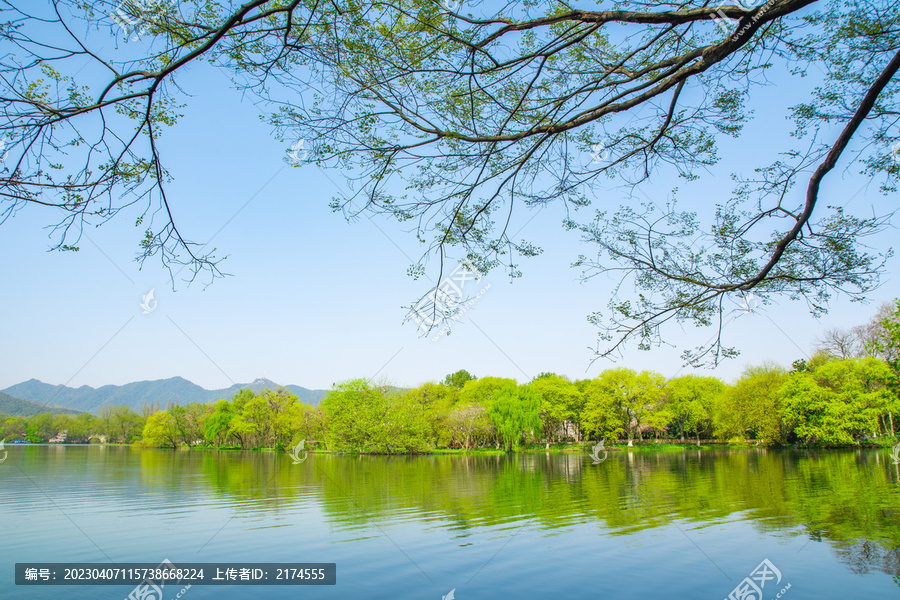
column 313, row 300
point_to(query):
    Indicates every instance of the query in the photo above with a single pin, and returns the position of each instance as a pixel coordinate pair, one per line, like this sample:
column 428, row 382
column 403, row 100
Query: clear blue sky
column 313, row 300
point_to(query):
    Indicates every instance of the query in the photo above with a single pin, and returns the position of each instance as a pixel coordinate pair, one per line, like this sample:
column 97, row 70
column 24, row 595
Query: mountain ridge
column 17, row 407
column 138, row 393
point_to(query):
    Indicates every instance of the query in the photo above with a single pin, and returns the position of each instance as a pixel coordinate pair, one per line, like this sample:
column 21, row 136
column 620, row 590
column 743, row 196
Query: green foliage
column 887, row 342
column 561, row 403
column 840, row 402
column 601, row 416
column 159, row 431
column 13, row 428
column 189, row 423
column 483, row 391
column 515, row 413
column 469, row 426
column 619, row 400
column 752, row 406
column 217, row 425
column 690, row 402
column 459, row 379
column 39, row 427
column 822, row 401
column 119, row 423
column 437, row 401
column 362, row 417
column 42, row 427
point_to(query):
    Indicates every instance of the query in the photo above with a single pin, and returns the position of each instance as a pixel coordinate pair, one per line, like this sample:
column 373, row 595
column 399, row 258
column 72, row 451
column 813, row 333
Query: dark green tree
column 459, row 379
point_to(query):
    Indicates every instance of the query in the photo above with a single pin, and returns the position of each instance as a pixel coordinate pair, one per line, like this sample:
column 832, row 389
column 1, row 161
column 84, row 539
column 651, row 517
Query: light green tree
column 309, row 423
column 483, row 391
column 515, row 413
column 601, row 416
column 840, row 402
column 364, row 417
column 752, row 406
column 406, row 427
column 83, row 428
column 283, row 412
column 61, row 423
column 884, row 341
column 159, row 431
column 437, row 401
column 40, row 427
column 561, row 406
column 189, row 422
column 627, row 394
column 690, row 402
column 13, row 427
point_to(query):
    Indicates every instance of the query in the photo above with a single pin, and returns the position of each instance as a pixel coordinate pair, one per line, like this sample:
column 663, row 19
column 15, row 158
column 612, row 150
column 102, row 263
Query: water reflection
column 850, row 499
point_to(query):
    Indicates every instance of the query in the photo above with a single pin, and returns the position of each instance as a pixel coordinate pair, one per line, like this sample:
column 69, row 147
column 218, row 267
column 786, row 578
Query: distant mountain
column 25, row 408
column 136, row 395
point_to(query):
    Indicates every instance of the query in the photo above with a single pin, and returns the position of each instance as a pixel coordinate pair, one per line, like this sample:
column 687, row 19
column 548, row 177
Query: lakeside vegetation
column 845, row 395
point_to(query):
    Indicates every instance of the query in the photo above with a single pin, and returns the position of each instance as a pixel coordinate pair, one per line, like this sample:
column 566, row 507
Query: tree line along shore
column 847, row 394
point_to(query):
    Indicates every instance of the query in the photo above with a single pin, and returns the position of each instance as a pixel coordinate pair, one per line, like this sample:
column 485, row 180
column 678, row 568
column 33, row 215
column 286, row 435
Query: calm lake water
column 671, row 525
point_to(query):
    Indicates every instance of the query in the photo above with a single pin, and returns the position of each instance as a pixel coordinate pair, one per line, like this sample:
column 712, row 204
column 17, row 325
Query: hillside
column 137, row 394
column 25, row 408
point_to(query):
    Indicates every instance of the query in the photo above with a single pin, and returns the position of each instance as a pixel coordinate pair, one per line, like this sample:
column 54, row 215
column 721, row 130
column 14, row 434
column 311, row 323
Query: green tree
column 363, row 417
column 13, row 428
column 106, row 421
column 515, row 413
column 285, row 411
column 469, row 425
column 561, row 406
column 217, row 425
column 349, row 408
column 840, row 402
column 407, row 427
column 436, row 401
column 189, row 422
column 256, row 419
column 127, row 424
column 625, row 393
column 81, row 430
column 159, row 431
column 690, row 402
column 883, row 340
column 459, row 379
column 752, row 406
column 601, row 415
column 881, row 336
column 40, row 427
column 62, row 423
column 241, row 426
column 483, row 391
column 309, row 424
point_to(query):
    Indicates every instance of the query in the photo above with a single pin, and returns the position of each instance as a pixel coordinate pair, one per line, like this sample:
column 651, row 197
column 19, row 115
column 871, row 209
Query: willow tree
column 454, row 120
column 515, row 413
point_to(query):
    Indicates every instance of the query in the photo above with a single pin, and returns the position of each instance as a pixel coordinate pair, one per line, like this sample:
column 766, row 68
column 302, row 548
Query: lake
column 685, row 524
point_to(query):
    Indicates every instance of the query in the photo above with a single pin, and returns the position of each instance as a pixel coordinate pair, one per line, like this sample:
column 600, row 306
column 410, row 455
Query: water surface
column 689, row 524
